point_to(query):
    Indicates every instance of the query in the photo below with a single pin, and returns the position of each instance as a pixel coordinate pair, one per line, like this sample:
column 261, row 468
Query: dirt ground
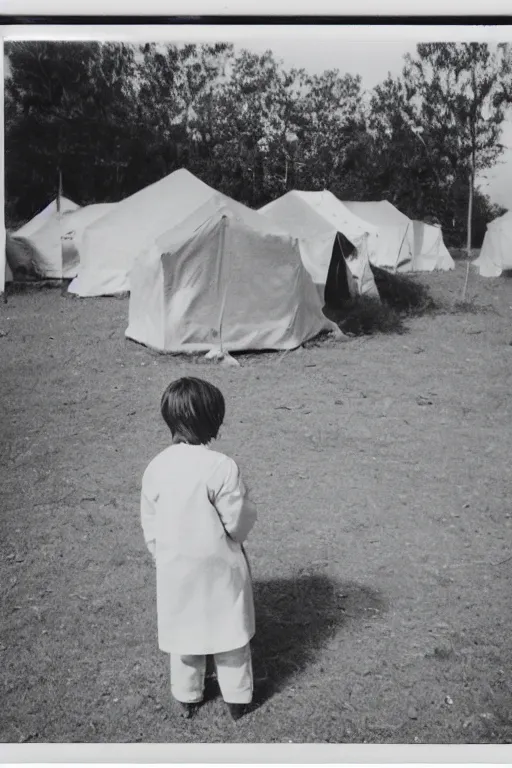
column 382, row 557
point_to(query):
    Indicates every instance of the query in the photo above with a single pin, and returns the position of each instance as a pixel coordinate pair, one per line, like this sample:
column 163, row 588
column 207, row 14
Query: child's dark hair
column 193, row 409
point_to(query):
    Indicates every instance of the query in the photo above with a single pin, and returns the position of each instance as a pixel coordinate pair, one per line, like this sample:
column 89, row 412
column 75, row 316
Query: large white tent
column 391, row 241
column 37, row 245
column 110, row 245
column 401, row 244
column 227, row 278
column 44, row 216
column 73, row 227
column 317, row 219
column 430, row 252
column 496, row 254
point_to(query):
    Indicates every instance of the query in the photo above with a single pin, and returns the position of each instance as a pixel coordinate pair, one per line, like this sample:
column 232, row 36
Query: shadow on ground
column 295, row 618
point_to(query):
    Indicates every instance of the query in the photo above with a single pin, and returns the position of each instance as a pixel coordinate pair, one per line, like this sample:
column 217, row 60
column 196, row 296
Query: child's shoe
column 238, row 710
column 187, row 710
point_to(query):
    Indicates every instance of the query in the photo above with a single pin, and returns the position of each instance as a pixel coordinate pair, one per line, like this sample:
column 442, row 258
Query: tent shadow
column 295, row 618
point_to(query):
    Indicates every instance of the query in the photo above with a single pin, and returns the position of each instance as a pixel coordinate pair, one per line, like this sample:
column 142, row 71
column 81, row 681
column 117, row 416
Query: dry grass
column 381, row 558
column 469, row 306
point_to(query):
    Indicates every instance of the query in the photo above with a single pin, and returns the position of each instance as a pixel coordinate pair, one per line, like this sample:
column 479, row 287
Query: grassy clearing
column 469, row 307
column 381, row 557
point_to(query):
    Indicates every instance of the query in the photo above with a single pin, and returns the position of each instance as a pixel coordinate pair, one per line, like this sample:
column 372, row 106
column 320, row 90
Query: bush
column 401, row 296
column 403, row 293
column 365, row 316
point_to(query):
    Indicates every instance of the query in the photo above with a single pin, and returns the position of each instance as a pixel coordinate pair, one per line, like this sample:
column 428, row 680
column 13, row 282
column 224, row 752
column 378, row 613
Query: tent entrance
column 339, row 286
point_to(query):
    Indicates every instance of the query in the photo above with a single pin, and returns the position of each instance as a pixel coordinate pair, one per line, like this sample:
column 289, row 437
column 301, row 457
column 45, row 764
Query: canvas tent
column 391, row 241
column 36, row 247
column 45, row 215
column 111, row 245
column 430, row 252
column 400, row 244
column 226, row 278
column 496, row 254
column 332, row 240
column 73, row 227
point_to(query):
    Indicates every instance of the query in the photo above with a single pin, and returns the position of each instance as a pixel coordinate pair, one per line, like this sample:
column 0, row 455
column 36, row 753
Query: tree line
column 112, row 118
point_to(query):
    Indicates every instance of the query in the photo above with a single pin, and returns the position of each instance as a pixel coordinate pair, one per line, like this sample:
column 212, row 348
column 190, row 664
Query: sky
column 367, row 55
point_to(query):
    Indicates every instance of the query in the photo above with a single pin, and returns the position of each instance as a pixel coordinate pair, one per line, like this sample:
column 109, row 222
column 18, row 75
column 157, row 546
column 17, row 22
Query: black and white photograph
column 256, row 364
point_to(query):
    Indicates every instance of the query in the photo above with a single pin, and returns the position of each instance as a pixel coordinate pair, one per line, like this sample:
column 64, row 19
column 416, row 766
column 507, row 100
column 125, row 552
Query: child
column 195, row 516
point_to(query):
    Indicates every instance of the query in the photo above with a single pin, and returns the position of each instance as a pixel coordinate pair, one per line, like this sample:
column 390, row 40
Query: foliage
column 453, row 91
column 70, row 108
column 115, row 118
column 366, row 316
column 402, row 292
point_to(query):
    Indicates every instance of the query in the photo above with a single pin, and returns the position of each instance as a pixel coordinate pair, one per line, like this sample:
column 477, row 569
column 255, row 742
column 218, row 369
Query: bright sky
column 350, row 51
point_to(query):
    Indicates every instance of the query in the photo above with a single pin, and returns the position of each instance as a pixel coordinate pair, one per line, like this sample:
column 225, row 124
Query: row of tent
column 204, row 270
column 98, row 243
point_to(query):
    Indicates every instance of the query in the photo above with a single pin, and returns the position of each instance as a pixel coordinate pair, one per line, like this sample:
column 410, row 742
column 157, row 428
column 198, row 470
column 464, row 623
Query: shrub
column 403, row 293
column 365, row 316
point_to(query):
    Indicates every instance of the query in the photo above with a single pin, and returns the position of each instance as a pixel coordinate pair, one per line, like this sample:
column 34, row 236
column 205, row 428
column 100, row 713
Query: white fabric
column 430, row 252
column 315, row 218
column 73, row 227
column 41, row 238
column 391, row 239
column 48, row 213
column 400, row 244
column 234, row 675
column 496, row 253
column 226, row 277
column 110, row 246
column 195, row 514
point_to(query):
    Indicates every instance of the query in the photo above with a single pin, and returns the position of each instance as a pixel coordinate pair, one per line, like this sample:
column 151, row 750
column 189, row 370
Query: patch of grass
column 469, row 306
column 336, row 555
column 403, row 294
column 323, row 338
column 366, row 316
column 298, row 616
column 32, row 284
column 461, row 254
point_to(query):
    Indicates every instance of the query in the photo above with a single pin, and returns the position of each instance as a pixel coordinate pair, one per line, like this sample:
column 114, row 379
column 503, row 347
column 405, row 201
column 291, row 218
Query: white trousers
column 234, row 675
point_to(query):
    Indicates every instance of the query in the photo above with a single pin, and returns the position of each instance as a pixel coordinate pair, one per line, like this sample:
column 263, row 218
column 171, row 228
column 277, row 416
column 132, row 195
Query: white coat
column 195, row 515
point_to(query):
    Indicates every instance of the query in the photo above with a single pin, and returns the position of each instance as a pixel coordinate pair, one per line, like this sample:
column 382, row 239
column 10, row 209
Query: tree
column 174, row 82
column 70, row 108
column 267, row 130
column 332, row 132
column 246, row 128
column 400, row 164
column 454, row 92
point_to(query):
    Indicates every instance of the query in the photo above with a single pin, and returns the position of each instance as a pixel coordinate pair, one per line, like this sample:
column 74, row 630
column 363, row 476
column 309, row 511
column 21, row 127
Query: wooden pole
column 59, row 217
column 469, row 222
column 59, row 192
